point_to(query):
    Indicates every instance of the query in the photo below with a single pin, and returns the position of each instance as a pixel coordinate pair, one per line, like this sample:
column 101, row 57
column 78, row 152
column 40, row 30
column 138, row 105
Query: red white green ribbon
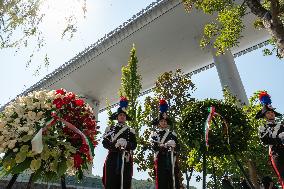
column 77, row 131
column 207, row 124
column 211, row 116
column 37, row 145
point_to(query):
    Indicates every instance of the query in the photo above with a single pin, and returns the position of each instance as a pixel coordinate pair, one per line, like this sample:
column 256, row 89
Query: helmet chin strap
column 122, row 122
column 270, row 120
column 163, row 128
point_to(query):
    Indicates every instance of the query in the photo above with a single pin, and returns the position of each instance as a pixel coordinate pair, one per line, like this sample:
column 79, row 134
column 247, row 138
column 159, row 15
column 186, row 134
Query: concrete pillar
column 94, row 104
column 229, row 75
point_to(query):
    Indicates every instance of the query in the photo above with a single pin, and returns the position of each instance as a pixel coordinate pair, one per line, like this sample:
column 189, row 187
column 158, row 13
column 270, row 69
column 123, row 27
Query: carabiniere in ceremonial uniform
column 120, row 140
column 272, row 134
column 165, row 145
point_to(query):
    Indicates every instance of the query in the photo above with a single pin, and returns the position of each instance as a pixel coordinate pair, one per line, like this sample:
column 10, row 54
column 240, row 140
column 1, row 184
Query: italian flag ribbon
column 207, row 124
column 37, row 145
column 212, row 114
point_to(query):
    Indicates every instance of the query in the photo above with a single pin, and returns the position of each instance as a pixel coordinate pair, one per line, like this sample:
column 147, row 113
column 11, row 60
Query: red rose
column 74, row 138
column 90, row 123
column 87, row 132
column 60, row 91
column 67, row 118
column 66, row 100
column 71, row 96
column 65, row 130
column 77, row 160
column 58, row 103
column 87, row 121
column 84, row 149
column 79, row 102
column 58, row 100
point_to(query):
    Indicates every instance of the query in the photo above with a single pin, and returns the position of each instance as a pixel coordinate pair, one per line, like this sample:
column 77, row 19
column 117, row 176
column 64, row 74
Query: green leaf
column 62, row 167
column 19, row 168
column 38, row 174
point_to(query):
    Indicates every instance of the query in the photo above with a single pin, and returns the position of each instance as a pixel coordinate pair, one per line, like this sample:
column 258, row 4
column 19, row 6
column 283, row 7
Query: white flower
column 17, row 120
column 30, row 123
column 36, row 105
column 30, row 104
column 30, row 95
column 8, row 113
column 15, row 125
column 89, row 108
column 9, row 119
column 48, row 106
column 2, row 124
column 5, row 132
column 12, row 144
column 4, row 144
column 15, row 149
column 31, row 132
column 59, row 96
column 31, row 115
column 51, row 94
column 1, row 138
column 41, row 95
column 37, row 95
column 10, row 108
column 19, row 108
column 39, row 114
column 23, row 129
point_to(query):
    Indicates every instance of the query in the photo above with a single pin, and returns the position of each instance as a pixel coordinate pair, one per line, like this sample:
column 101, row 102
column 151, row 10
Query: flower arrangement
column 49, row 133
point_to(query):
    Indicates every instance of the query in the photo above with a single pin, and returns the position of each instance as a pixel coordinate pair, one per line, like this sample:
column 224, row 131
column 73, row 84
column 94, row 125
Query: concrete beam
column 229, row 75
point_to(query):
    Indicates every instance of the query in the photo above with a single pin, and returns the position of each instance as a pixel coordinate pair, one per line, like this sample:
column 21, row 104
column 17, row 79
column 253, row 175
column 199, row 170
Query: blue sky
column 256, row 71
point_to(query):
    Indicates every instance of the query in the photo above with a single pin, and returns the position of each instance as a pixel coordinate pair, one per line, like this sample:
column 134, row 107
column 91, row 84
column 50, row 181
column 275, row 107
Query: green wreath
column 232, row 123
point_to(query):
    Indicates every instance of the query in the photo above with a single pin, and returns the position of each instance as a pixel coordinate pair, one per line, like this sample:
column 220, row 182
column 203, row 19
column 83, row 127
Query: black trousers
column 112, row 172
column 163, row 172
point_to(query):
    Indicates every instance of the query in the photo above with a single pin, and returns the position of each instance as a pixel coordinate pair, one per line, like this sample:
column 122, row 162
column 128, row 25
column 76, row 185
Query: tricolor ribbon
column 211, row 115
column 37, row 144
column 207, row 124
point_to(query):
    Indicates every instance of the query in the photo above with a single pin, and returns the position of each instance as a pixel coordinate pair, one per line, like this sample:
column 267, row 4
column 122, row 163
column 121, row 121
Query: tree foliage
column 225, row 31
column 20, row 24
column 131, row 88
column 176, row 87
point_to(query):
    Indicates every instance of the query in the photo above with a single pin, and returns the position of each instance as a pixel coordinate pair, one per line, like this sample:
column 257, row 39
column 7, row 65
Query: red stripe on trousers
column 275, row 169
column 156, row 169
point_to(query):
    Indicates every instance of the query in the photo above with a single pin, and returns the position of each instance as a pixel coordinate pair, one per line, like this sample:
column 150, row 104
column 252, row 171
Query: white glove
column 121, row 143
column 171, row 143
column 281, row 136
column 162, row 145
